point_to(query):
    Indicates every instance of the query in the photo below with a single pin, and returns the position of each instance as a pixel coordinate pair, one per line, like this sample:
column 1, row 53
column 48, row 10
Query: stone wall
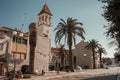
column 83, row 56
column 42, row 53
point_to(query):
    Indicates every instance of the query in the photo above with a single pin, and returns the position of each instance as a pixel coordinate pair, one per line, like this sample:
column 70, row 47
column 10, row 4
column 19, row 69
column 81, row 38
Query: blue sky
column 15, row 12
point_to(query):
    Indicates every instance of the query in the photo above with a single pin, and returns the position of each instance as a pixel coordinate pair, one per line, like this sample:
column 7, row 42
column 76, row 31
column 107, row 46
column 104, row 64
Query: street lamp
column 17, row 35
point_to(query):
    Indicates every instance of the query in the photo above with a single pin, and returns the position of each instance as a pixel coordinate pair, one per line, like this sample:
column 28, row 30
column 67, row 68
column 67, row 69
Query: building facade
column 43, row 43
column 84, row 57
column 13, row 49
column 59, row 57
column 18, row 44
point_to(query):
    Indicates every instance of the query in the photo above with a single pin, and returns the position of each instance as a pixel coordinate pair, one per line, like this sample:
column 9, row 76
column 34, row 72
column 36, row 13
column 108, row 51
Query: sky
column 14, row 13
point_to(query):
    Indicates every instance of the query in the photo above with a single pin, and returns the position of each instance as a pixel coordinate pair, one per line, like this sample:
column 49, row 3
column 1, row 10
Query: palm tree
column 93, row 44
column 32, row 42
column 101, row 51
column 69, row 29
column 62, row 54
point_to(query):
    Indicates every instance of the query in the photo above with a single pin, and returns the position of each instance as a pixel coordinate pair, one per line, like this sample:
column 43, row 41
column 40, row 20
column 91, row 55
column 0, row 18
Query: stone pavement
column 79, row 75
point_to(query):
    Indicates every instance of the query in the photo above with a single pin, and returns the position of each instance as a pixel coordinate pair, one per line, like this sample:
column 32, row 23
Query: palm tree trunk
column 94, row 65
column 62, row 60
column 57, row 67
column 62, row 63
column 70, row 59
column 100, row 60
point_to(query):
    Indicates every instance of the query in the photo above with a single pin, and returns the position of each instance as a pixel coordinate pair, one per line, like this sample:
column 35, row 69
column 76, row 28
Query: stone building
column 13, row 49
column 56, row 55
column 84, row 57
column 43, row 43
column 18, row 44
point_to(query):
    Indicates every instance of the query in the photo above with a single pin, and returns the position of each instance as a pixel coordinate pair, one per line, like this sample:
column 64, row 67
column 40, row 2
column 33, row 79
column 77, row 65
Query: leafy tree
column 93, row 44
column 32, row 42
column 101, row 51
column 69, row 29
column 112, row 15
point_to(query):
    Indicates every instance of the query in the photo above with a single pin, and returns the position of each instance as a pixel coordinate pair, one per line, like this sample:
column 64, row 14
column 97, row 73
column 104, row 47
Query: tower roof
column 45, row 9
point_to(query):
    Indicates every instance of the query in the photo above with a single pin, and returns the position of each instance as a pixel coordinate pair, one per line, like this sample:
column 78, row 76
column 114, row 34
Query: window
column 19, row 40
column 24, row 41
column 49, row 18
column 45, row 18
column 1, row 46
column 42, row 18
column 39, row 18
column 14, row 39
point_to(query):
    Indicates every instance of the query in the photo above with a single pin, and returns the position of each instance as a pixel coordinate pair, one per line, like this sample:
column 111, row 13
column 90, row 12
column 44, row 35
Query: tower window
column 45, row 18
column 1, row 46
column 42, row 18
column 49, row 18
column 39, row 18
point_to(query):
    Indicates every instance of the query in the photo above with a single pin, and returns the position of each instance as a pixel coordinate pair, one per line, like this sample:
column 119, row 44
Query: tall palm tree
column 101, row 51
column 93, row 44
column 68, row 30
column 62, row 54
column 32, row 42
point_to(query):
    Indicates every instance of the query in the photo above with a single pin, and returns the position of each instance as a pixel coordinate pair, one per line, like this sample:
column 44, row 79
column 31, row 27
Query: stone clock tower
column 43, row 42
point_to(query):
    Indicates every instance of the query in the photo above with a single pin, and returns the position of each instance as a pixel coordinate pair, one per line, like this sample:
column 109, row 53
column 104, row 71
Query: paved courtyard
column 97, row 74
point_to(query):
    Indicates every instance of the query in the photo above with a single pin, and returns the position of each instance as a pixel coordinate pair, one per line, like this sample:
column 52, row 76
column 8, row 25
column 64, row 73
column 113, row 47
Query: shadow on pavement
column 108, row 77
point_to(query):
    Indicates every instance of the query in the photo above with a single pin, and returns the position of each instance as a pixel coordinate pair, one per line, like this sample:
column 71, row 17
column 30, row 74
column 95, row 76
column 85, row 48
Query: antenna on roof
column 22, row 20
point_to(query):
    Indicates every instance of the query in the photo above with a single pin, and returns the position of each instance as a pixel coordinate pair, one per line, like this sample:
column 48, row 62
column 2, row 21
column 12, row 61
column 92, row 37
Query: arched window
column 45, row 18
column 49, row 19
column 39, row 18
column 42, row 18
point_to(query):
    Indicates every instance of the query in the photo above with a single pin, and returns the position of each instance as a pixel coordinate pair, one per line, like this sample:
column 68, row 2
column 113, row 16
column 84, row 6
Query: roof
column 56, row 50
column 45, row 9
column 4, row 29
column 10, row 29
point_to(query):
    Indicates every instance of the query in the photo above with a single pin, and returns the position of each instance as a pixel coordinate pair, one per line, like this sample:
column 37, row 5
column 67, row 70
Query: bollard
column 43, row 72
